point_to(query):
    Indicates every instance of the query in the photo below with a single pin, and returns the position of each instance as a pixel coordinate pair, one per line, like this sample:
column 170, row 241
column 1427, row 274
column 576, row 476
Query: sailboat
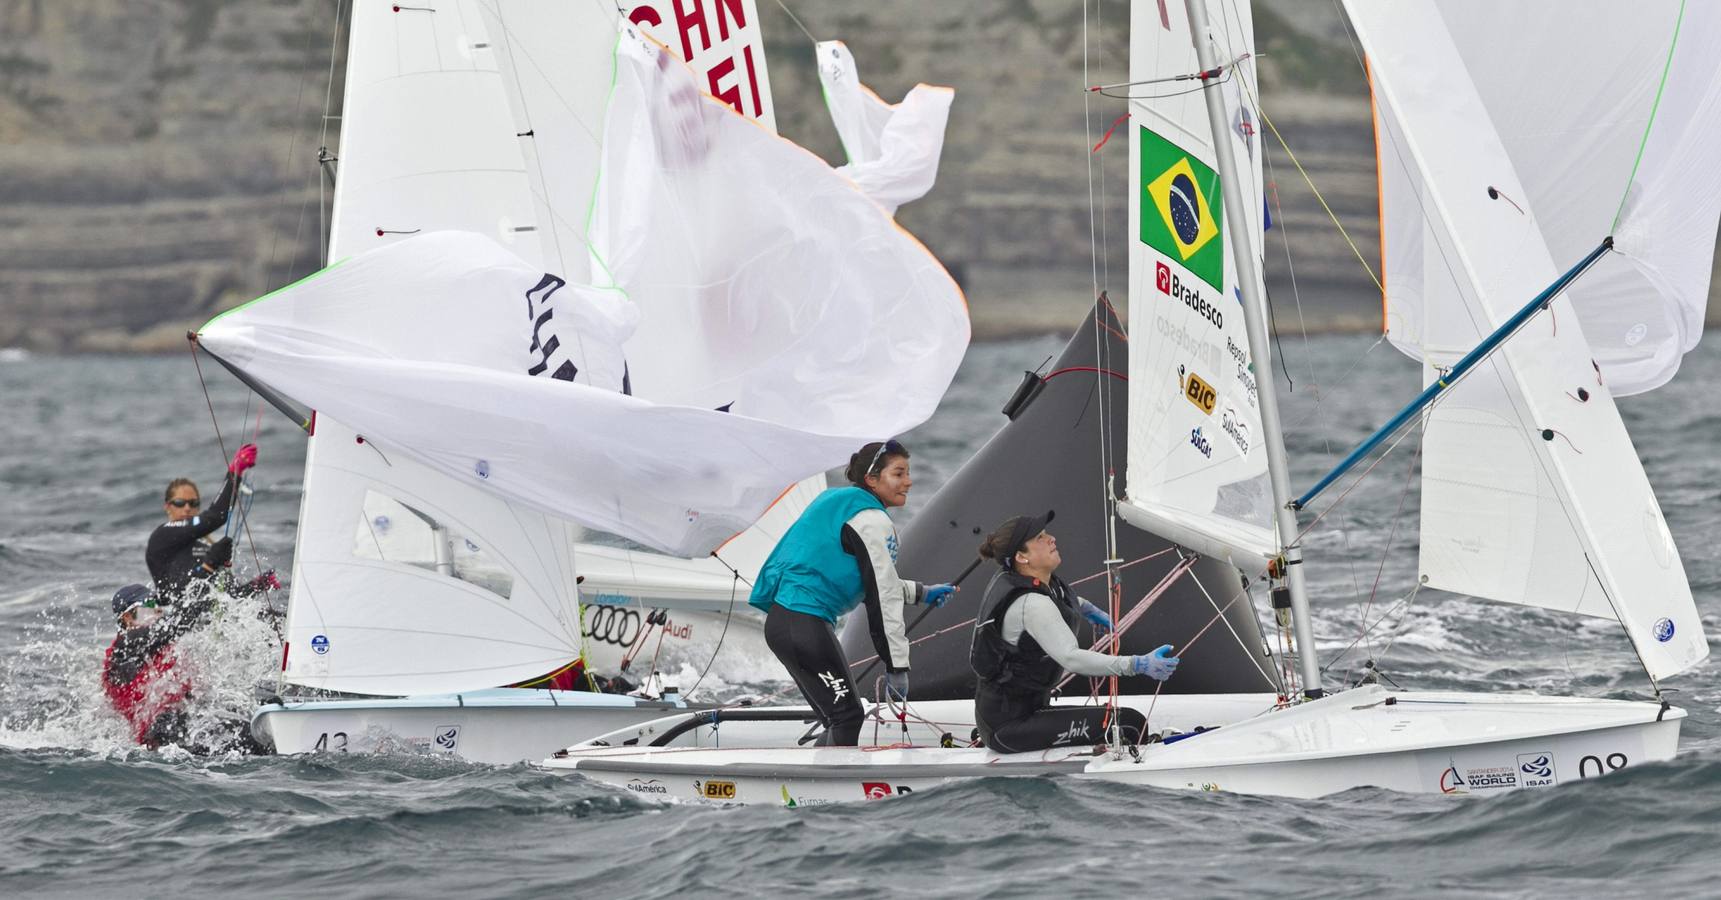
column 1505, row 148
column 507, row 365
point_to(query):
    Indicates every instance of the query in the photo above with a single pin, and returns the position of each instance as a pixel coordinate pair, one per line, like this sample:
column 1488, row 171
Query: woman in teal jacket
column 839, row 554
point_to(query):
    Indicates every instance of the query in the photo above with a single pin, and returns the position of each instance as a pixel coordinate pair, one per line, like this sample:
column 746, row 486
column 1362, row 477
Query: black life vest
column 1024, row 668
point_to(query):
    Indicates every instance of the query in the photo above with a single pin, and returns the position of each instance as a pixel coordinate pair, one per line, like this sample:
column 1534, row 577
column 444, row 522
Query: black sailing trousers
column 1015, row 723
column 807, row 647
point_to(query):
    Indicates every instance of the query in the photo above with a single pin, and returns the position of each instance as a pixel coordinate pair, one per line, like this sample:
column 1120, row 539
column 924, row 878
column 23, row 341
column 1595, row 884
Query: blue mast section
column 1464, row 365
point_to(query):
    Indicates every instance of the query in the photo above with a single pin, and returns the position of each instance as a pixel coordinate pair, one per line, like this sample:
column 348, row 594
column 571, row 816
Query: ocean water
column 88, row 442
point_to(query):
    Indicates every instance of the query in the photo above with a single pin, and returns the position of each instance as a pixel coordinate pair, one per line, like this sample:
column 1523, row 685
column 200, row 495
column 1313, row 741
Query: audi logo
column 611, row 624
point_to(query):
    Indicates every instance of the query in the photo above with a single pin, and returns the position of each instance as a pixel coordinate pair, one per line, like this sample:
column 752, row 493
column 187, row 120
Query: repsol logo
column 1191, row 298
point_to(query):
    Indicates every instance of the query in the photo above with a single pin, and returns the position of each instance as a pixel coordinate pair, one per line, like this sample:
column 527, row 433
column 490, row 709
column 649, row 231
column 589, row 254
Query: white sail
column 559, row 60
column 430, row 140
column 1635, row 160
column 1196, row 467
column 893, row 150
column 439, row 347
column 1534, row 492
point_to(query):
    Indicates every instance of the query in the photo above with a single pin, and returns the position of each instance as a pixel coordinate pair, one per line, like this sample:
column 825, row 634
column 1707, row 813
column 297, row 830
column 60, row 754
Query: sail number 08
column 1612, row 763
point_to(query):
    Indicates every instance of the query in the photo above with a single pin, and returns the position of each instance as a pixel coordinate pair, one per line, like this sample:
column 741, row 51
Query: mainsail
column 1493, row 183
column 1196, row 468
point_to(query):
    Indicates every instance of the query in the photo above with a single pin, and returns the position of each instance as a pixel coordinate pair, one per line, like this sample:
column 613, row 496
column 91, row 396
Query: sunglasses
column 181, row 504
column 885, row 449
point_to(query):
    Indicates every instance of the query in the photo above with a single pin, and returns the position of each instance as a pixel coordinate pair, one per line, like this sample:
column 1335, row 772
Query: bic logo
column 1199, row 392
column 1181, row 214
column 719, row 790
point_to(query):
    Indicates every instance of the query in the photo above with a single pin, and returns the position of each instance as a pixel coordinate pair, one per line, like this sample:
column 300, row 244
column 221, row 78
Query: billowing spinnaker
column 892, row 151
column 1611, row 117
column 1197, row 468
column 800, row 324
column 1566, row 520
column 766, row 283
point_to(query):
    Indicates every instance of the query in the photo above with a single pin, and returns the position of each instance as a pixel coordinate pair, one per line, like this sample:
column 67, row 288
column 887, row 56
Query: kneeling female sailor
column 1025, row 642
column 839, row 553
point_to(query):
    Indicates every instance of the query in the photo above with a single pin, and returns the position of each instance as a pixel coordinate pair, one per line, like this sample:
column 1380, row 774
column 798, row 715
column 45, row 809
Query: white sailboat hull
column 497, row 727
column 1412, row 742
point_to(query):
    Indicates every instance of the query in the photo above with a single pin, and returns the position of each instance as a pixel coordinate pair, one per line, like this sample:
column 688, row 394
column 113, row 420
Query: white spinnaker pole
column 1254, row 317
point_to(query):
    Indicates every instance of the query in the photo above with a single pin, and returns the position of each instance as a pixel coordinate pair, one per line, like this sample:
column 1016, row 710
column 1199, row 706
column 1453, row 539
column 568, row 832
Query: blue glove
column 1157, row 665
column 1096, row 615
column 896, row 686
column 939, row 594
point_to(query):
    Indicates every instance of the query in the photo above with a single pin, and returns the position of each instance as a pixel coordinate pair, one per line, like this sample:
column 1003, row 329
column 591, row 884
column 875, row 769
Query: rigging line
column 1100, row 386
column 1219, row 616
column 734, row 588
column 1401, row 603
column 1402, row 434
column 1310, row 181
column 1284, row 359
column 797, row 20
column 1392, row 535
column 287, row 165
column 1099, row 64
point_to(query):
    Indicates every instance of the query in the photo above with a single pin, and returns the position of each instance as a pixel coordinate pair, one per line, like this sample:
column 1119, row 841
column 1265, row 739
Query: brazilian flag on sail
column 1181, row 210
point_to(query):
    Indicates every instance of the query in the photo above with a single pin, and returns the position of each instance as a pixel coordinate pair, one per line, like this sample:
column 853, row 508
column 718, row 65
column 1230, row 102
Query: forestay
column 1533, row 492
column 1197, row 468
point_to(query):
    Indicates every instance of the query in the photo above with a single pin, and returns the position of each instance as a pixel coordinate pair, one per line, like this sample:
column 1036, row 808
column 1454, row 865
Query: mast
column 1249, row 280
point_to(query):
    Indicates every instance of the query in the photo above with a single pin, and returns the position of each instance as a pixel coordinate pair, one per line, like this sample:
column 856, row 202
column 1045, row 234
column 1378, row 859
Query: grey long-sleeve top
column 1036, row 614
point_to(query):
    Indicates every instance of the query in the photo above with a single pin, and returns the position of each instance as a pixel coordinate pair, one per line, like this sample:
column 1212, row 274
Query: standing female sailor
column 1025, row 642
column 840, row 553
column 177, row 554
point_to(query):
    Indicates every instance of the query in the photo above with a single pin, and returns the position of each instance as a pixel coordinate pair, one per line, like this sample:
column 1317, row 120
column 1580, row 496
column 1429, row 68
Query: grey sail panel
column 1047, row 457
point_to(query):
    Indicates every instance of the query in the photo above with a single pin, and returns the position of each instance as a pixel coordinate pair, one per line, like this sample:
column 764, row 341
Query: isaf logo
column 447, row 738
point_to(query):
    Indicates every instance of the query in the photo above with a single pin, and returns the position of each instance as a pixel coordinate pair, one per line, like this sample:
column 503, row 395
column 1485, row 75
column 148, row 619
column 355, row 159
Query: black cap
column 1027, row 527
column 129, row 596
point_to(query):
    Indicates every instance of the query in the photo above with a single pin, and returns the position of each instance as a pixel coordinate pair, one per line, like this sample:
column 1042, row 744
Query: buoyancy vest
column 1025, row 669
column 809, row 571
column 157, row 687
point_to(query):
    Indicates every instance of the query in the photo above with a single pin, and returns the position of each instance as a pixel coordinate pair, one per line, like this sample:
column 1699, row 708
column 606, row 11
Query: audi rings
column 617, row 625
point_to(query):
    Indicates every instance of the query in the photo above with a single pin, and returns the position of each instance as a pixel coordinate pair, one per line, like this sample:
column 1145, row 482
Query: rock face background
column 158, row 157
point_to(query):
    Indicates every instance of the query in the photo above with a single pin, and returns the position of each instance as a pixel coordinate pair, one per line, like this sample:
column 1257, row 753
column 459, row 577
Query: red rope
column 1118, row 375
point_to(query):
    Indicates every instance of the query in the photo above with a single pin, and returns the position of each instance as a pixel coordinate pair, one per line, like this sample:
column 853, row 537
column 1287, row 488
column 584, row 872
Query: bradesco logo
column 1170, row 283
column 1181, row 215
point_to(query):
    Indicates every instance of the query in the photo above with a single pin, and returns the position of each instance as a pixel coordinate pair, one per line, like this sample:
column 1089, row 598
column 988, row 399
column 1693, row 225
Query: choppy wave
column 84, row 812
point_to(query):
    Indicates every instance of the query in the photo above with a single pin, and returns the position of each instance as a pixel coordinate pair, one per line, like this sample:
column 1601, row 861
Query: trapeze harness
column 1013, row 699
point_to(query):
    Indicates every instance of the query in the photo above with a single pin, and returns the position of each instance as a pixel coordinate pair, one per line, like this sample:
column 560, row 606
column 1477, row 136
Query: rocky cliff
column 158, row 158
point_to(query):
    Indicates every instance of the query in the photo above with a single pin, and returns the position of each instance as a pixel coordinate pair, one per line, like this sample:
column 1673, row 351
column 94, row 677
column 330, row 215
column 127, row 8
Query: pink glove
column 266, row 582
column 244, row 459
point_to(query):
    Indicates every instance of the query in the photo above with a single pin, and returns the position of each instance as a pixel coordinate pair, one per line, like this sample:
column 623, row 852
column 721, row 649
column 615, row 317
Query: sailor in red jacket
column 142, row 676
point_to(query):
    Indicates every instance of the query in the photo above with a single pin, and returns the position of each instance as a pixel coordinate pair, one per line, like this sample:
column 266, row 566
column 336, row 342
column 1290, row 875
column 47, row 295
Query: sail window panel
column 392, row 531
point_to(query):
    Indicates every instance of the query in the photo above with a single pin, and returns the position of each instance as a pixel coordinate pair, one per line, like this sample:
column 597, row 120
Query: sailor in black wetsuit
column 177, row 555
column 1025, row 642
